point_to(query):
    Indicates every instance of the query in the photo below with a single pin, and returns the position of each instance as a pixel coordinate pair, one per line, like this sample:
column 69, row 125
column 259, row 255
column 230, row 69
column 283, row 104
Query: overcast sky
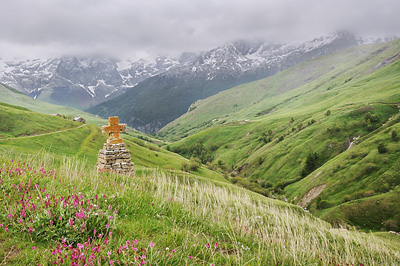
column 131, row 28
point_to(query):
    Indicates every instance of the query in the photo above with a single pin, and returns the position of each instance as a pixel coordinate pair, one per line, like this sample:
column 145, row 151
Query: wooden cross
column 113, row 129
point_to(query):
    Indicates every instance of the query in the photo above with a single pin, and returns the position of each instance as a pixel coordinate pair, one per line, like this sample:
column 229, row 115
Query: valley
column 302, row 140
column 298, row 168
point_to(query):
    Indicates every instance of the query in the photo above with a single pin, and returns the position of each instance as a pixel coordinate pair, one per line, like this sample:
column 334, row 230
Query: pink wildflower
column 80, row 246
column 33, row 247
column 216, row 245
column 208, row 245
column 151, row 244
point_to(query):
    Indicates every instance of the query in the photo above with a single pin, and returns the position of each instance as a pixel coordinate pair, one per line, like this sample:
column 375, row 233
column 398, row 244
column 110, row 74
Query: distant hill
column 158, row 100
column 315, row 132
column 12, row 96
column 16, row 121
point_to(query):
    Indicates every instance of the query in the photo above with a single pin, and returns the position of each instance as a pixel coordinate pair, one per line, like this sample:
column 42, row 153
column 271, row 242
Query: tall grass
column 168, row 220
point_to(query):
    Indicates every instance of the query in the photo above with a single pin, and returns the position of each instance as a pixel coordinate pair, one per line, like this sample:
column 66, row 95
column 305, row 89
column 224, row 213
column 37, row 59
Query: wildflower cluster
column 29, row 207
column 99, row 250
column 77, row 226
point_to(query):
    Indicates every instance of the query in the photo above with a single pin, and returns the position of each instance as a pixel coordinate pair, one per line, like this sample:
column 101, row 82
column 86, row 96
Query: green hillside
column 66, row 213
column 29, row 132
column 14, row 97
column 253, row 100
column 18, row 121
column 288, row 143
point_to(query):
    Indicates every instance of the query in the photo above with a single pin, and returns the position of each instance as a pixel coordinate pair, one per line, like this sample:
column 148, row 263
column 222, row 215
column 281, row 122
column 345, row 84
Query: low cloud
column 126, row 28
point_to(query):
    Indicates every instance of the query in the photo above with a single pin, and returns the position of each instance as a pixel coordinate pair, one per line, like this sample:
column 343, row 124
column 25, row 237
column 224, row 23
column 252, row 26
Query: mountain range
column 150, row 94
column 158, row 100
column 78, row 82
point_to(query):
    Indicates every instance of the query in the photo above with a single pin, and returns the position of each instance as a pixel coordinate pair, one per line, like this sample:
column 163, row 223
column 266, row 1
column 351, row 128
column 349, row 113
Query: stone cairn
column 114, row 156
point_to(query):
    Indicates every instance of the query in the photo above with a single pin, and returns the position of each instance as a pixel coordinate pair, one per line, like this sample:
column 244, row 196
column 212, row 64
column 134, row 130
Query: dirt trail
column 310, row 195
column 355, row 139
column 48, row 133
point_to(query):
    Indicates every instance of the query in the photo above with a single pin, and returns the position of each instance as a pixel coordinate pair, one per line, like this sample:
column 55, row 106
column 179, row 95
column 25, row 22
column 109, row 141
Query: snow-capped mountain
column 80, row 83
column 137, row 71
column 86, row 82
column 263, row 59
column 162, row 98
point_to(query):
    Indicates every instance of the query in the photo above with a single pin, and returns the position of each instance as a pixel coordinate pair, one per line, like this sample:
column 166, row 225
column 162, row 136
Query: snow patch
column 91, row 90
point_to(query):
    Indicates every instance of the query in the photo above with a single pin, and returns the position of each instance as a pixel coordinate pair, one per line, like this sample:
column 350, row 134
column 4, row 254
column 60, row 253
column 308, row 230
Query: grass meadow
column 66, row 214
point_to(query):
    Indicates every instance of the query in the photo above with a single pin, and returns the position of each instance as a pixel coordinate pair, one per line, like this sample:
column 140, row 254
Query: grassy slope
column 369, row 83
column 171, row 220
column 11, row 96
column 18, row 121
column 83, row 143
column 360, row 172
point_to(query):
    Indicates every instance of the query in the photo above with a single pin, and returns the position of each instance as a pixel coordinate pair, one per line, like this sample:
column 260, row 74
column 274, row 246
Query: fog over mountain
column 143, row 29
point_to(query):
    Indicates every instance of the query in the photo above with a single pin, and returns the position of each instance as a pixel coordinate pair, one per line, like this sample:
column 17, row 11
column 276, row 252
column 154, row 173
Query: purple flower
column 80, row 246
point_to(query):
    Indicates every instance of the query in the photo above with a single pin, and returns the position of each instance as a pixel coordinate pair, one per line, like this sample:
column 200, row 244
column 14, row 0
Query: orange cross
column 113, row 129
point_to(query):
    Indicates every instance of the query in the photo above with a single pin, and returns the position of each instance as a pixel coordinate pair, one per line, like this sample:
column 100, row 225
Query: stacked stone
column 116, row 158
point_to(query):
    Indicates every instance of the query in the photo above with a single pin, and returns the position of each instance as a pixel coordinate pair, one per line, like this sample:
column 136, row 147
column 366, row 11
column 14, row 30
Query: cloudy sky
column 131, row 28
